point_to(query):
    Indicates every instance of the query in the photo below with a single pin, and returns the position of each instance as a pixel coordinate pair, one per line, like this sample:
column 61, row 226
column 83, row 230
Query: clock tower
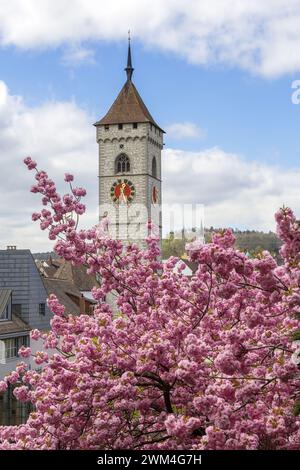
column 130, row 144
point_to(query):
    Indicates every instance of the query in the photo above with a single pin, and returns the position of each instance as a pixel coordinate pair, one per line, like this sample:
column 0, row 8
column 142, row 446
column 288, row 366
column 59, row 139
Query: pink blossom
column 22, row 393
column 227, row 363
column 41, row 357
column 35, row 334
column 199, row 362
column 13, row 377
column 24, row 352
column 3, row 386
column 79, row 192
column 36, row 216
column 55, row 306
column 69, row 177
column 31, row 164
column 194, row 246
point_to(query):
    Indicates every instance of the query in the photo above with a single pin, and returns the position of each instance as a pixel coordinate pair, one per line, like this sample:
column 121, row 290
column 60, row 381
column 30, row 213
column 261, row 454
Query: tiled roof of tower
column 128, row 108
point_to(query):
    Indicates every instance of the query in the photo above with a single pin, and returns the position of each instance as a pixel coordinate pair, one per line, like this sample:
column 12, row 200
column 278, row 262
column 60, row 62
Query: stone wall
column 140, row 145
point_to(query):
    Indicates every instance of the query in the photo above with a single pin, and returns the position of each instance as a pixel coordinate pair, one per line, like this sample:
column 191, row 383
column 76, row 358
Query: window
column 4, row 315
column 135, row 125
column 12, row 345
column 42, row 309
column 154, row 167
column 13, row 411
column 17, row 309
column 122, row 164
column 10, row 348
column 106, row 127
column 120, row 126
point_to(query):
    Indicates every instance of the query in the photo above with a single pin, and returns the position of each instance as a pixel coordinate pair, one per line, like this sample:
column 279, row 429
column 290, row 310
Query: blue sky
column 216, row 77
column 241, row 112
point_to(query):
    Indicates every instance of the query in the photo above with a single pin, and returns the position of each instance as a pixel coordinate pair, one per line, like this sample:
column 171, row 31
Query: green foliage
column 295, row 335
column 249, row 241
column 296, row 408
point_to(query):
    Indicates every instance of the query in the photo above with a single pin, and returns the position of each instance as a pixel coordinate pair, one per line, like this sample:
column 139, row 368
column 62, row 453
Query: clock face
column 122, row 191
column 154, row 195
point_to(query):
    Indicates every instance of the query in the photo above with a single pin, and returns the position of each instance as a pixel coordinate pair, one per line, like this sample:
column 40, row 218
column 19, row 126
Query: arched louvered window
column 122, row 164
column 154, row 167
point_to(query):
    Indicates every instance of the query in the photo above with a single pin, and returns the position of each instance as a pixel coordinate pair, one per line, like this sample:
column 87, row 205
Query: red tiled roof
column 128, row 108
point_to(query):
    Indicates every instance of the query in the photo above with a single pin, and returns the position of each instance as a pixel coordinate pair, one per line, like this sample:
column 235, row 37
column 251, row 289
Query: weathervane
column 129, row 69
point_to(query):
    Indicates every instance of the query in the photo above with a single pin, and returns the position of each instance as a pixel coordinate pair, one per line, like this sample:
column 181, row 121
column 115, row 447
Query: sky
column 220, row 76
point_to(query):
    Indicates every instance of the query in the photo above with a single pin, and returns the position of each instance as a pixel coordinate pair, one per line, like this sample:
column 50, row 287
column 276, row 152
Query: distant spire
column 129, row 69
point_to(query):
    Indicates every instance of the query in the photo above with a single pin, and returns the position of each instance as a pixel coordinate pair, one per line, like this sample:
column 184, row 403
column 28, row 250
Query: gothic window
column 122, row 164
column 154, row 167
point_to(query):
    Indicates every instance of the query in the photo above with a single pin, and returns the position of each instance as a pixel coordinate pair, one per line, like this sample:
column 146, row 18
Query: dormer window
column 122, row 164
column 5, row 314
column 5, row 305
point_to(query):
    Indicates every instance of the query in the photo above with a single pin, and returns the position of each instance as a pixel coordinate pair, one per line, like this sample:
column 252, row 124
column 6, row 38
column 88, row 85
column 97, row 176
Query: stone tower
column 130, row 144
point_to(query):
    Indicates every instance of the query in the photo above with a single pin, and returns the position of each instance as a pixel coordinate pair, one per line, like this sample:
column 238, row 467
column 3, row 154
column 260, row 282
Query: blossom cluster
column 199, row 362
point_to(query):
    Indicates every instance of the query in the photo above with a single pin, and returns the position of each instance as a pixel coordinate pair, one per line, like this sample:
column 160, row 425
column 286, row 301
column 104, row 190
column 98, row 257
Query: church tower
column 130, row 144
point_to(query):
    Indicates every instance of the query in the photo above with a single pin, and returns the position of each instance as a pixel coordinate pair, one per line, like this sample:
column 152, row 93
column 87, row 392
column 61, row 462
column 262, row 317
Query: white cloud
column 60, row 136
column 235, row 192
column 77, row 55
column 185, row 130
column 260, row 36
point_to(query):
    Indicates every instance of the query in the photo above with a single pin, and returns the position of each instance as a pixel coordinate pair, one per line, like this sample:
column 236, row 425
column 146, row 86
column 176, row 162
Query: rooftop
column 68, row 295
column 128, row 106
column 15, row 325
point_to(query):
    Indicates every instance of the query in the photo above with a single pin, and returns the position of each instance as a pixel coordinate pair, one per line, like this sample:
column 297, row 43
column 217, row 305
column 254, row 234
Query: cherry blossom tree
column 200, row 362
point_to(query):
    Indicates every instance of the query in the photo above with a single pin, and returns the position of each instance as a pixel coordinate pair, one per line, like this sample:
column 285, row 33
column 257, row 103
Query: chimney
column 11, row 247
column 82, row 304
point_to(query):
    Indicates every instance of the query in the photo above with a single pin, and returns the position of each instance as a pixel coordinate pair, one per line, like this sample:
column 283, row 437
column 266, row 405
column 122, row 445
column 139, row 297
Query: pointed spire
column 129, row 69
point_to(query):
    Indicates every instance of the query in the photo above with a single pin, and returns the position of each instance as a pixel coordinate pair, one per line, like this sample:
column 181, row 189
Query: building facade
column 24, row 290
column 23, row 305
column 130, row 144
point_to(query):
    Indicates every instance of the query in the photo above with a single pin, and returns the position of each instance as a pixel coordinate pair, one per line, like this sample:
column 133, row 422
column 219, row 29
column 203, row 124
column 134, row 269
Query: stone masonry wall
column 140, row 145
